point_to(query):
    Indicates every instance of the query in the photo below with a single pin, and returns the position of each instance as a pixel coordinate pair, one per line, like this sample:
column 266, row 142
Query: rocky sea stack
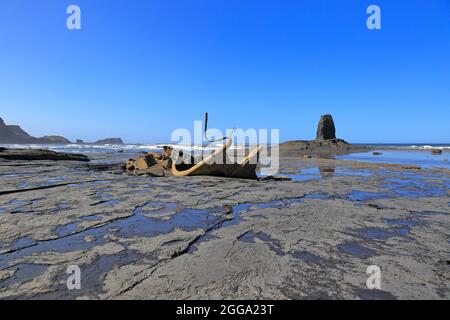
column 326, row 129
column 325, row 142
column 109, row 141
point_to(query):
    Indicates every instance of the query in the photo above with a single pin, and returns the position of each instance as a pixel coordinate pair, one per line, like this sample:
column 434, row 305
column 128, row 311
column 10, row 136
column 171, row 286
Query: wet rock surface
column 39, row 154
column 141, row 237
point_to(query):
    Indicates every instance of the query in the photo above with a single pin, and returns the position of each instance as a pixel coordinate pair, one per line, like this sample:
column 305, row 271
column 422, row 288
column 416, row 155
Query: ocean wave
column 92, row 148
column 428, row 147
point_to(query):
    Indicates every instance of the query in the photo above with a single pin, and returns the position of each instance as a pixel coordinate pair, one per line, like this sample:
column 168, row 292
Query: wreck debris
column 175, row 163
column 152, row 163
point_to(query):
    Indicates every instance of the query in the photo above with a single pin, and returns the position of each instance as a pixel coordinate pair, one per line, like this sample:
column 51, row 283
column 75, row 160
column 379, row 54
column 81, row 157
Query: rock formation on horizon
column 326, row 129
column 324, row 143
column 109, row 141
column 13, row 134
column 101, row 142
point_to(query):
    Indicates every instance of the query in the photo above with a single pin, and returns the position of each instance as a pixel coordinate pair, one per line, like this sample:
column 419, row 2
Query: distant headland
column 14, row 134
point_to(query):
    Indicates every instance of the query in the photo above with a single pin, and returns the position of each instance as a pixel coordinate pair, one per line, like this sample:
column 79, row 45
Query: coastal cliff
column 14, row 134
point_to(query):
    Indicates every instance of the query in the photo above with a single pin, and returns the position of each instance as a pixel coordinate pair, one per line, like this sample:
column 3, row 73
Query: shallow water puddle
column 374, row 233
column 23, row 273
column 414, row 189
column 306, row 175
column 78, row 185
column 16, row 202
column 159, row 208
column 95, row 217
column 108, row 203
column 134, row 225
column 351, row 172
column 358, row 195
column 401, row 230
column 62, row 206
column 319, row 195
column 186, row 219
column 56, row 180
column 370, row 294
column 64, row 244
column 67, row 229
column 403, row 222
column 36, row 184
column 307, row 257
column 23, row 185
column 18, row 206
column 356, row 250
column 279, row 203
column 317, row 173
column 93, row 275
column 206, row 238
column 22, row 242
column 275, row 204
column 428, row 213
column 238, row 209
column 274, row 245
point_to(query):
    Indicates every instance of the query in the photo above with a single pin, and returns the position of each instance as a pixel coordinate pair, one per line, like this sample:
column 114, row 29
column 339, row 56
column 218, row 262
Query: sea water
column 107, row 148
column 412, row 154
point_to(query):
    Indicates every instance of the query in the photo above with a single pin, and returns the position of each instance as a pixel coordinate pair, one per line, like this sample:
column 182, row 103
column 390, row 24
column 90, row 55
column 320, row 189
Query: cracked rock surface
column 217, row 238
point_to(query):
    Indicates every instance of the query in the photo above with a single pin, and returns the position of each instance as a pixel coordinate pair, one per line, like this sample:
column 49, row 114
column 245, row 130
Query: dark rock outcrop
column 13, row 134
column 55, row 140
column 109, row 141
column 326, row 129
column 324, row 144
column 39, row 154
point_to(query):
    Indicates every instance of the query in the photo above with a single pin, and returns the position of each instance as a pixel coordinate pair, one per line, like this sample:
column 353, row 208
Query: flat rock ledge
column 39, row 154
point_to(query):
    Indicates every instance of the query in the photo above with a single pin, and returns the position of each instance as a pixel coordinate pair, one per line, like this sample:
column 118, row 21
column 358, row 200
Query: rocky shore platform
column 39, row 154
column 139, row 237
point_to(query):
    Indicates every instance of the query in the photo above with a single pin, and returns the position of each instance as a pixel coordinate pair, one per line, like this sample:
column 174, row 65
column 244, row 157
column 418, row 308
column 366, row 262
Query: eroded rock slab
column 40, row 154
column 140, row 237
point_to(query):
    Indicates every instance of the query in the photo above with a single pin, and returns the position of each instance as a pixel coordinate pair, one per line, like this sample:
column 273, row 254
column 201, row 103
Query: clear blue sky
column 140, row 68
